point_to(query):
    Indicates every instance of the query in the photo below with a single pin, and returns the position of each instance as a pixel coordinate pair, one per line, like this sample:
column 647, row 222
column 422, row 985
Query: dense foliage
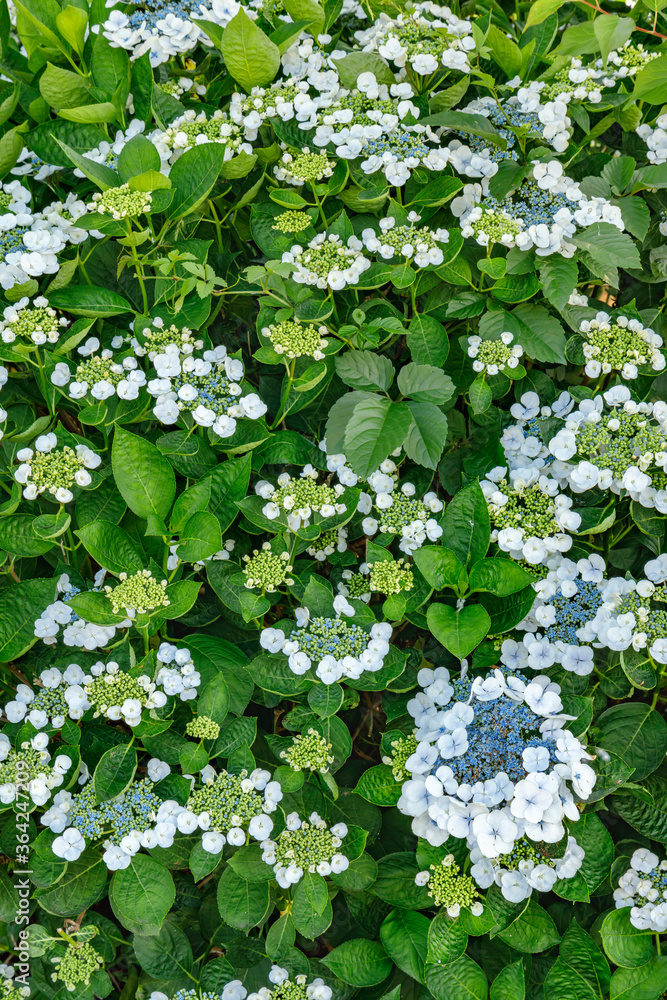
column 333, row 565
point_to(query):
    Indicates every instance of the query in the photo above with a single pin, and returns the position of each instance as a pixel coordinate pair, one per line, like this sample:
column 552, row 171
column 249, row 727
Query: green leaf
column 378, row 785
column 144, row 477
column 612, row 32
column 481, row 395
column 115, row 772
column 359, row 962
column 250, row 56
column 194, row 174
column 624, row 944
column 20, row 605
column 427, row 436
column 136, row 157
column 440, row 567
column 504, row 51
column 462, row 979
column 404, row 936
column 425, row 383
column 325, row 699
column 558, row 276
column 142, row 894
column 541, row 10
column 646, row 983
column 247, row 862
column 466, row 524
column 200, row 538
column 584, row 961
column 427, row 341
column 352, row 65
column 532, row 932
column 501, row 577
column 242, row 904
column 447, row 939
column 510, row 983
column 378, row 427
column 608, row 247
column 309, row 11
column 213, row 702
column 86, row 300
column 635, row 732
column 650, row 82
column 535, row 329
column 458, row 631
column 61, row 88
column 111, row 547
column 83, row 884
column 166, row 955
column 471, row 124
column 365, row 370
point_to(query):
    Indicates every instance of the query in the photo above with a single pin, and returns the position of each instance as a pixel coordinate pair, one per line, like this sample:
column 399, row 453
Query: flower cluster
column 99, row 376
column 121, row 202
column 76, row 631
column 228, row 806
column 300, row 498
column 194, row 128
column 327, row 262
column 493, row 762
column 333, row 647
column 619, row 344
column 137, row 594
column 30, row 771
column 390, row 576
column 305, row 847
column 76, row 965
column 525, row 867
column 55, row 470
column 114, row 693
column 305, row 167
column 618, row 444
column 416, row 244
column 530, row 517
column 543, row 213
column 399, row 513
column 644, row 887
column 206, row 387
column 59, row 697
column 428, row 38
column 494, row 356
column 32, row 321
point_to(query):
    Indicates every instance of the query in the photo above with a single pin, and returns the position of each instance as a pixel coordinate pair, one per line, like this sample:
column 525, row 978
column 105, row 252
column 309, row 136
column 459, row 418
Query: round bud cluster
column 401, row 514
column 617, row 445
column 292, row 222
column 620, row 344
column 30, row 767
column 116, row 694
column 448, row 888
column 76, row 965
column 303, row 168
column 390, row 576
column 305, row 847
column 121, row 202
column 10, row 992
column 101, row 377
column 228, row 806
column 297, row 340
column 417, row 244
column 334, row 540
column 332, row 646
column 403, row 748
column 300, row 498
column 526, row 867
column 285, row 100
column 55, row 700
column 203, row 728
column 177, row 674
column 138, row 594
column 55, row 470
column 644, row 887
column 529, row 515
column 195, row 129
column 309, row 752
column 36, row 322
column 266, row 570
column 327, row 263
column 490, row 225
column 493, row 356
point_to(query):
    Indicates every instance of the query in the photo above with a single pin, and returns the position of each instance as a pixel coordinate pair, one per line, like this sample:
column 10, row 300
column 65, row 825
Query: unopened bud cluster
column 266, row 570
column 37, row 322
column 494, row 356
column 55, row 470
column 305, row 847
column 292, row 222
column 620, row 344
column 296, row 339
column 203, row 728
column 121, row 202
column 76, row 965
column 137, row 594
column 391, row 577
column 448, row 888
column 403, row 748
column 309, row 752
column 303, row 168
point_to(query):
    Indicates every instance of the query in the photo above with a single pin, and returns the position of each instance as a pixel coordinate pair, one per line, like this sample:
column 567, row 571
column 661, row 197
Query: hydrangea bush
column 333, row 554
